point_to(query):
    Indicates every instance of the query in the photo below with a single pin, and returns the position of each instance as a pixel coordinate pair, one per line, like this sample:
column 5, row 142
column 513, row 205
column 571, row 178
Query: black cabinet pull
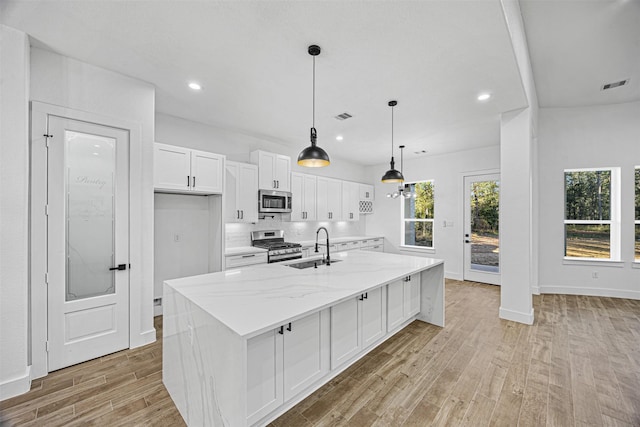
column 194, row 182
column 361, row 297
column 119, row 267
column 237, row 214
column 274, row 183
column 366, row 295
column 241, row 214
column 188, row 181
column 289, row 327
column 281, row 330
column 248, row 256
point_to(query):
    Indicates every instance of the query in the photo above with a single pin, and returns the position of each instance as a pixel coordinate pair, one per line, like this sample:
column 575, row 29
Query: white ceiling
column 251, row 57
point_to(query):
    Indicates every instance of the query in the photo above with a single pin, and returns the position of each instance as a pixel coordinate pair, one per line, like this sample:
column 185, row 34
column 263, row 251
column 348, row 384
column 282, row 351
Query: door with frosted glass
column 482, row 228
column 87, row 241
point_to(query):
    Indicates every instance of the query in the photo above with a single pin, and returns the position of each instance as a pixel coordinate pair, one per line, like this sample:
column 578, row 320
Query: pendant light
column 313, row 156
column 403, row 190
column 392, row 175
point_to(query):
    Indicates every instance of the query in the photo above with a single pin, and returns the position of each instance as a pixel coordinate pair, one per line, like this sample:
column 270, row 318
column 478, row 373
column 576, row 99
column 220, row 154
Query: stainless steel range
column 278, row 249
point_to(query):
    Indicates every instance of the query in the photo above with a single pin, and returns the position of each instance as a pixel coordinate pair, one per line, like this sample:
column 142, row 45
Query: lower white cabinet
column 403, row 300
column 283, row 362
column 356, row 324
column 243, row 260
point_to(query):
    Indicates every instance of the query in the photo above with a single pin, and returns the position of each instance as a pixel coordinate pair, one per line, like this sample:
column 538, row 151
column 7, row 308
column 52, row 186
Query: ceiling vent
column 615, row 84
column 343, row 116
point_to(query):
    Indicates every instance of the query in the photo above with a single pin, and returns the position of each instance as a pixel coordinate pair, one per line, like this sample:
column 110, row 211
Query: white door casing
column 87, row 234
column 477, row 268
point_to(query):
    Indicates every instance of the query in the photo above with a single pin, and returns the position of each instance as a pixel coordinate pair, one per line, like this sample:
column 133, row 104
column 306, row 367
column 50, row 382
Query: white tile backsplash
column 240, row 234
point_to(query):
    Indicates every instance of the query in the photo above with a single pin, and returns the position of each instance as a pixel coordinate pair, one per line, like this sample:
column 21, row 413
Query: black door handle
column 289, row 327
column 119, row 267
column 466, row 241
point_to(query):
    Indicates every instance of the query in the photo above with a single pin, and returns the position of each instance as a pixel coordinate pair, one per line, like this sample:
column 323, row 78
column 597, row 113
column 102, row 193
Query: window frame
column 614, row 222
column 404, row 220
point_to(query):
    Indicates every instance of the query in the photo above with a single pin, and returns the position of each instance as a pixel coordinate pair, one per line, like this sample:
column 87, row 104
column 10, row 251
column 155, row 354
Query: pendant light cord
column 392, row 132
column 313, row 118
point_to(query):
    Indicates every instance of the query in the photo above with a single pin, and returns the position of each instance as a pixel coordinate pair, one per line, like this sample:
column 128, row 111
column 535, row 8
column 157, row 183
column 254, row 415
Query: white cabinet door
column 248, row 193
column 172, row 167
column 265, row 386
column 350, row 202
column 297, row 197
column 322, row 200
column 366, row 192
column 412, row 295
column 373, row 325
column 282, row 172
column 206, row 172
column 345, row 336
column 306, row 353
column 395, row 304
column 334, row 199
column 231, row 183
column 309, row 198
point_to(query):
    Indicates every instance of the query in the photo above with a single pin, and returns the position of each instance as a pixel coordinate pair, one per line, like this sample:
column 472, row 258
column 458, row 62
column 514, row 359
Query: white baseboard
column 517, row 316
column 146, row 337
column 453, row 276
column 16, row 386
column 157, row 310
column 535, row 290
column 595, row 292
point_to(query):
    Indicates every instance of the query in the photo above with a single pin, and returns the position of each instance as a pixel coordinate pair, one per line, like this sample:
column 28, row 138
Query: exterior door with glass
column 481, row 228
column 87, row 241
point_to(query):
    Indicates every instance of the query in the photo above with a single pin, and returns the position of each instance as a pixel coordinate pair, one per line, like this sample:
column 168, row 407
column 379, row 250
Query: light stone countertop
column 253, row 300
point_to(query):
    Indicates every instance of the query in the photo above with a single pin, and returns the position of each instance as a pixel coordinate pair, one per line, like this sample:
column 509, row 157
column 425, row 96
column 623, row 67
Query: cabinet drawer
column 234, row 261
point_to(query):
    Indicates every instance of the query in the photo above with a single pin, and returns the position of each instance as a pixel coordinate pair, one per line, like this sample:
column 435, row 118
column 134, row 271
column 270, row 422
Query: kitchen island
column 241, row 347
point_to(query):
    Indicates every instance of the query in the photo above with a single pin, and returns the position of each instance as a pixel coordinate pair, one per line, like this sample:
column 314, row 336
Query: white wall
column 237, row 146
column 14, row 213
column 598, row 136
column 65, row 82
column 447, row 172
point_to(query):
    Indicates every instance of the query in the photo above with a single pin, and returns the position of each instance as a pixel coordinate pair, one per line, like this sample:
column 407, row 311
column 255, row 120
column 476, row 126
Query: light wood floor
column 578, row 365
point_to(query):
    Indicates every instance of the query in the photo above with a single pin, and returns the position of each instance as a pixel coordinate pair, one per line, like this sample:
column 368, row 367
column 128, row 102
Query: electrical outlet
column 594, row 275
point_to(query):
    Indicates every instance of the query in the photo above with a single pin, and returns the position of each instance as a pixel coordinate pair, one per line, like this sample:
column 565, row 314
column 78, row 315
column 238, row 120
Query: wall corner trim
column 16, row 386
column 516, row 316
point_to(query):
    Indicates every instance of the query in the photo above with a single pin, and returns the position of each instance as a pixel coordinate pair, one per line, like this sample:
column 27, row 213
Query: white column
column 15, row 377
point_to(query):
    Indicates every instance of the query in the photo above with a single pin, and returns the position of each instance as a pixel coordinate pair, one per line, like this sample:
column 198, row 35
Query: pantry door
column 481, row 228
column 87, row 241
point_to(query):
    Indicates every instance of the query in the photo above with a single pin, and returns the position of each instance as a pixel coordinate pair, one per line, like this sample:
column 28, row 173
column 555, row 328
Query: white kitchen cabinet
column 241, row 192
column 411, row 295
column 181, row 170
column 303, row 197
column 350, row 202
column 366, row 192
column 403, row 300
column 356, row 324
column 375, row 245
column 283, row 362
column 329, row 199
column 274, row 170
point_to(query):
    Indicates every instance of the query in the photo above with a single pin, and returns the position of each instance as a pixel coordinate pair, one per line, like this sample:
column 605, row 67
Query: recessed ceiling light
column 484, row 96
column 96, row 154
column 195, row 86
column 339, row 138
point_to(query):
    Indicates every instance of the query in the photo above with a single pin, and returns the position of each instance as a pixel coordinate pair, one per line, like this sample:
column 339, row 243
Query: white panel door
column 266, row 169
column 395, row 304
column 309, row 197
column 322, row 199
column 248, row 193
column 87, row 241
column 231, row 183
column 412, row 295
column 172, row 167
column 481, row 228
column 374, row 324
column 206, row 172
column 345, row 332
column 350, row 201
column 282, row 172
column 264, row 375
column 297, row 197
column 306, row 356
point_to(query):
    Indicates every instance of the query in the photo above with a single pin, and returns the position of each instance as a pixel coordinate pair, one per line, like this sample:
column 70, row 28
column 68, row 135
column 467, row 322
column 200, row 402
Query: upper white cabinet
column 350, row 202
column 366, row 192
column 303, row 193
column 241, row 192
column 329, row 199
column 274, row 170
column 181, row 170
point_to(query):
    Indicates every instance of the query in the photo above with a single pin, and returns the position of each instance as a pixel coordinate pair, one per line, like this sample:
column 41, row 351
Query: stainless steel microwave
column 274, row 201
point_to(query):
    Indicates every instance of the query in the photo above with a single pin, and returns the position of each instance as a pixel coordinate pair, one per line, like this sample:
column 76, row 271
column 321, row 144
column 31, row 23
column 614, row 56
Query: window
column 417, row 214
column 591, row 222
column 637, row 257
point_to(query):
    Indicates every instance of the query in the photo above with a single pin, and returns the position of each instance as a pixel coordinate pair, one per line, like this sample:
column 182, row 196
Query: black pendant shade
column 392, row 175
column 313, row 156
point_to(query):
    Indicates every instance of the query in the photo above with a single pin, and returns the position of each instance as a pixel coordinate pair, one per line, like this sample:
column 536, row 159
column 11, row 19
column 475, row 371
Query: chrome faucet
column 327, row 233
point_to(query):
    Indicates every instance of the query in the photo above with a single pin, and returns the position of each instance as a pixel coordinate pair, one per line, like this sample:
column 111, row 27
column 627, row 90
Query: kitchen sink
column 311, row 263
